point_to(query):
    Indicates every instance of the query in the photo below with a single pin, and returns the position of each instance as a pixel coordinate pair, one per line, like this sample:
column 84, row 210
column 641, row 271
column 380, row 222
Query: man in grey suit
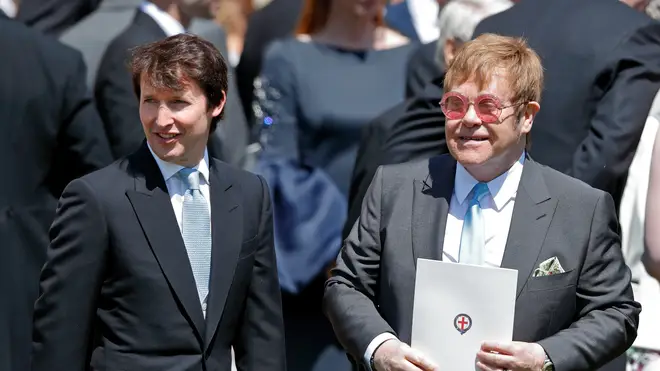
column 574, row 305
column 92, row 35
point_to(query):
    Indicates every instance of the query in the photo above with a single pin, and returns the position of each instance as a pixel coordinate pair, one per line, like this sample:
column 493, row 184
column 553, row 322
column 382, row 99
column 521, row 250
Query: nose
column 471, row 118
column 164, row 117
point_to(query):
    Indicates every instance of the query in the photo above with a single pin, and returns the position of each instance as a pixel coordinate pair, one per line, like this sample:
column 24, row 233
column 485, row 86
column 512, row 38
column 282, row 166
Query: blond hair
column 489, row 54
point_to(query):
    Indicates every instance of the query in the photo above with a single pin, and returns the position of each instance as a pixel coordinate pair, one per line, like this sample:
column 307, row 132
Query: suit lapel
column 152, row 205
column 532, row 214
column 431, row 199
column 227, row 225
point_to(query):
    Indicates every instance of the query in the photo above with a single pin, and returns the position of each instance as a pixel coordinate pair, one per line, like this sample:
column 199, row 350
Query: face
column 490, row 137
column 176, row 123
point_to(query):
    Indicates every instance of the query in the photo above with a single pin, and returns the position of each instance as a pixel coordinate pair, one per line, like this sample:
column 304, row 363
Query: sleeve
column 277, row 104
column 606, row 314
column 117, row 103
column 70, row 283
column 260, row 343
column 651, row 256
column 82, row 143
column 628, row 87
column 350, row 292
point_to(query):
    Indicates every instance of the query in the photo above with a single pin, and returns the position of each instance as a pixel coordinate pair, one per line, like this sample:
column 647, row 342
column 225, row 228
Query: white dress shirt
column 176, row 188
column 167, row 23
column 497, row 210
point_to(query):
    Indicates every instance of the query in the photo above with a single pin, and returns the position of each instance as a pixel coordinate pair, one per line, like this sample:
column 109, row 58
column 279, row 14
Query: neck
column 494, row 167
column 348, row 30
column 171, row 8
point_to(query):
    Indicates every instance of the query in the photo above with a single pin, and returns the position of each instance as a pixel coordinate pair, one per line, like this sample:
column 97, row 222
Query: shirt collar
column 167, row 23
column 502, row 188
column 169, row 169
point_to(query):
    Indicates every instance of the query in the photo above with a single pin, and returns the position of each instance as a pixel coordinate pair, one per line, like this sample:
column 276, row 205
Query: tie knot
column 190, row 177
column 478, row 192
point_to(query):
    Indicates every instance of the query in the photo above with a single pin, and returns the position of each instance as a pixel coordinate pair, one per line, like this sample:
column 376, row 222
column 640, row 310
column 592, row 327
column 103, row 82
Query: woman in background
column 315, row 93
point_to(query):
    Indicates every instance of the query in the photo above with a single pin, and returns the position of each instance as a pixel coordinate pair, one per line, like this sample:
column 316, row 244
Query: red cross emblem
column 462, row 323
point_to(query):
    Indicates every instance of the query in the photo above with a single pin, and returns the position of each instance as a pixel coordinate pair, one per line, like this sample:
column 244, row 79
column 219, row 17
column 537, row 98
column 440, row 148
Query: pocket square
column 549, row 267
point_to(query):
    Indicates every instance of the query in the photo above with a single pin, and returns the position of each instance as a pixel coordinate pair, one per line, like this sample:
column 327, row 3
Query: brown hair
column 314, row 16
column 178, row 60
column 482, row 57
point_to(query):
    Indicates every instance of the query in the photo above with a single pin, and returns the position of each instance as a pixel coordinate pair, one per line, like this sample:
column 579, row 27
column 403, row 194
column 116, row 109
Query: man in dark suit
column 52, row 134
column 114, row 97
column 602, row 76
column 490, row 204
column 167, row 255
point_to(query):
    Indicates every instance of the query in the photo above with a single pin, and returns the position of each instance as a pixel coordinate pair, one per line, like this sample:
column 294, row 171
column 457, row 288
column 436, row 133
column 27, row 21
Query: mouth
column 476, row 139
column 166, row 136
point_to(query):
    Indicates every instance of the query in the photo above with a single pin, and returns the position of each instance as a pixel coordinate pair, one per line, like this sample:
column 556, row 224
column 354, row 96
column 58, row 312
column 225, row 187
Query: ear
column 217, row 110
column 530, row 112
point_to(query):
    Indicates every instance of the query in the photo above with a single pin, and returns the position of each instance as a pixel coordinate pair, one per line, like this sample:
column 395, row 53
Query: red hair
column 315, row 16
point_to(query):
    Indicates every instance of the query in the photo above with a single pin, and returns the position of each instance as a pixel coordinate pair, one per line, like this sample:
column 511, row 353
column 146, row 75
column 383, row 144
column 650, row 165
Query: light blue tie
column 196, row 231
column 473, row 240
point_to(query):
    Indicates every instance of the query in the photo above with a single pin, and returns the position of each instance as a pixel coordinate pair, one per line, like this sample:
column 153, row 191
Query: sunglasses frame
column 467, row 102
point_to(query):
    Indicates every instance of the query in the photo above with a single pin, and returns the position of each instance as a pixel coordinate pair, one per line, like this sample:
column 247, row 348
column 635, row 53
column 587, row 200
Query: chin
column 468, row 157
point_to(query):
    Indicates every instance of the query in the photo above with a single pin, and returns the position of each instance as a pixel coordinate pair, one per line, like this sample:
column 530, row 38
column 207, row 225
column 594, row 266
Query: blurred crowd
column 321, row 93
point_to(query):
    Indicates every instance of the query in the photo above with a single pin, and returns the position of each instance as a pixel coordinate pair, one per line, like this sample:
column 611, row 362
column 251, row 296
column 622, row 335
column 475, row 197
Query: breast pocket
column 551, row 282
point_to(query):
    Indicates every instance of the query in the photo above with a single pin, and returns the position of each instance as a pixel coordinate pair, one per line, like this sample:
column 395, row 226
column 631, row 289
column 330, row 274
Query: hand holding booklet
column 457, row 307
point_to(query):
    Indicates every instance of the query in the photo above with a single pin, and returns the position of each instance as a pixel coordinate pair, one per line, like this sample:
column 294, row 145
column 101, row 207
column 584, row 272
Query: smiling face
column 176, row 123
column 487, row 149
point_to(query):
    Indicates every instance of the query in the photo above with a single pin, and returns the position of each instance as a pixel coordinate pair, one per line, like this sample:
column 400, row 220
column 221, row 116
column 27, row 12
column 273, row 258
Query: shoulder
column 395, row 175
column 283, row 49
column 566, row 188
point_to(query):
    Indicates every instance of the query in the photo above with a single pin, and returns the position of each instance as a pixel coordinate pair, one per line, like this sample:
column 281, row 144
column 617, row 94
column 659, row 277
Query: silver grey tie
column 196, row 231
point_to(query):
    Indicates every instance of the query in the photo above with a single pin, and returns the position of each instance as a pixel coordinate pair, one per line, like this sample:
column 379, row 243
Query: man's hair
column 490, row 54
column 178, row 60
column 458, row 19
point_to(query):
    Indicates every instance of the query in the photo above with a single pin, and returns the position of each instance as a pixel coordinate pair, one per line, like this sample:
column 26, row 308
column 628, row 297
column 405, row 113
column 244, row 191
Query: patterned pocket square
column 548, row 268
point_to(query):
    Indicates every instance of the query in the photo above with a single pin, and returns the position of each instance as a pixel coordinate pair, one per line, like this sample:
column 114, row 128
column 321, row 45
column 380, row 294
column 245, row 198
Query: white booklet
column 459, row 306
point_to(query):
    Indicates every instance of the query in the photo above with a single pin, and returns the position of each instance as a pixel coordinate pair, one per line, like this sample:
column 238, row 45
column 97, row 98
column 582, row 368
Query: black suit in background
column 117, row 259
column 119, row 108
column 54, row 16
column 51, row 135
column 274, row 21
column 421, row 69
column 602, row 71
column 411, row 130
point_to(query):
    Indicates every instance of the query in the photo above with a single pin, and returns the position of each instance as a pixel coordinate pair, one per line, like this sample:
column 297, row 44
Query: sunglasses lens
column 488, row 110
column 454, row 107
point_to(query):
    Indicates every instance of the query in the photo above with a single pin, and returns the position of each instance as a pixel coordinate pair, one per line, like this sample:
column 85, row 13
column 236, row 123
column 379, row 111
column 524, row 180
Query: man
column 151, row 22
column 52, row 134
column 414, row 129
column 577, row 319
column 167, row 255
column 602, row 76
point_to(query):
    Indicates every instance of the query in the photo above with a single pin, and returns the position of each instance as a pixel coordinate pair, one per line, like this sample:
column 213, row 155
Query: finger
column 497, row 346
column 498, row 361
column 419, row 359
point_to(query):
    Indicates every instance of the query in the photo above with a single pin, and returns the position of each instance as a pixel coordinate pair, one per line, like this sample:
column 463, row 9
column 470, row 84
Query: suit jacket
column 582, row 318
column 117, row 266
column 411, row 130
column 422, row 68
column 600, row 80
column 54, row 16
column 52, row 135
column 114, row 94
